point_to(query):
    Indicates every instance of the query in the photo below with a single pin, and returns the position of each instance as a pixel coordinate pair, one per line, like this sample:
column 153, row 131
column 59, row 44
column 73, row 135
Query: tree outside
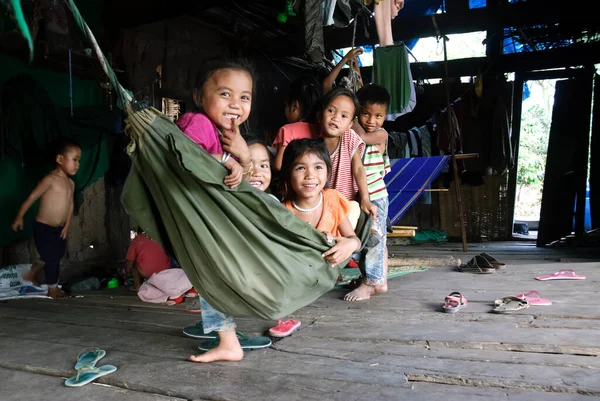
column 536, row 119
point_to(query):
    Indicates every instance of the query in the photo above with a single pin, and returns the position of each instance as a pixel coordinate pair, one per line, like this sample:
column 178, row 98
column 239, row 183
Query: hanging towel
column 391, row 70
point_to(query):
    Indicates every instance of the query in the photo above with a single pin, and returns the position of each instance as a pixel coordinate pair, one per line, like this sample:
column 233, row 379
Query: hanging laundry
column 385, row 11
column 340, row 13
column 391, row 69
column 314, row 45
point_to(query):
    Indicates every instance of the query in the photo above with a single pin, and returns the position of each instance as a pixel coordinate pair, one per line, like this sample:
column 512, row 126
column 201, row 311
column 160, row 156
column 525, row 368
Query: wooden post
column 461, row 215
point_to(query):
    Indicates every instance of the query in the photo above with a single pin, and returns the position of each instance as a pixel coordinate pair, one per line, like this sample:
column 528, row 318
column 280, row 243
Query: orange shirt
column 289, row 132
column 335, row 209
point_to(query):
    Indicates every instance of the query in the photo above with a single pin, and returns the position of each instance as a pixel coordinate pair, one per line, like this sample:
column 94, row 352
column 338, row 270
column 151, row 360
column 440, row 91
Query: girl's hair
column 296, row 149
column 253, row 140
column 331, row 96
column 211, row 66
column 305, row 90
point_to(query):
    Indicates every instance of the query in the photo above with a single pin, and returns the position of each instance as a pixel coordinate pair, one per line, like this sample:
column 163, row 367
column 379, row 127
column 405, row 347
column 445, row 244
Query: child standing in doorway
column 52, row 222
column 374, row 101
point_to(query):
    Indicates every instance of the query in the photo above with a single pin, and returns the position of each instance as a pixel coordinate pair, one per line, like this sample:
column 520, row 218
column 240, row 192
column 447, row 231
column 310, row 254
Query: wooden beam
column 574, row 55
column 522, row 14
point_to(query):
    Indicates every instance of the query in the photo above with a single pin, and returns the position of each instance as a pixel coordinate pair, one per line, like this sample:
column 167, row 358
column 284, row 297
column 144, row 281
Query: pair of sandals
column 484, row 263
column 456, row 302
column 86, row 368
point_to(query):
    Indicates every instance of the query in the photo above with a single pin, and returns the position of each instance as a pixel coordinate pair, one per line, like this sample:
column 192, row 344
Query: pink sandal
column 284, row 328
column 454, row 302
column 561, row 275
column 534, row 298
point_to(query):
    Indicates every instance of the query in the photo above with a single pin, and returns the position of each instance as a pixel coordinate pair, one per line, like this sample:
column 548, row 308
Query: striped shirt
column 377, row 165
column 341, row 178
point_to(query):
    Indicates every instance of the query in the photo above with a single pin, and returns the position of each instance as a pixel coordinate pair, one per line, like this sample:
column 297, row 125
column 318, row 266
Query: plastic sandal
column 492, row 260
column 247, row 343
column 197, row 331
column 89, row 357
column 510, row 304
column 284, row 328
column 561, row 275
column 454, row 302
column 87, row 374
column 534, row 298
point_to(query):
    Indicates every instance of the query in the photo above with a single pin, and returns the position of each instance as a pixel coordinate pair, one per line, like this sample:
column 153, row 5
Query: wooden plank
column 517, row 107
column 24, row 386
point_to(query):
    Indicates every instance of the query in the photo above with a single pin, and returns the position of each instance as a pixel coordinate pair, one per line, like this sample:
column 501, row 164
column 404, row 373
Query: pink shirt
column 149, row 257
column 201, row 130
column 289, row 132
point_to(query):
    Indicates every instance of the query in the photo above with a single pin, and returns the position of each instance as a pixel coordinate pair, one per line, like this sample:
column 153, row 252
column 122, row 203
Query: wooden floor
column 398, row 346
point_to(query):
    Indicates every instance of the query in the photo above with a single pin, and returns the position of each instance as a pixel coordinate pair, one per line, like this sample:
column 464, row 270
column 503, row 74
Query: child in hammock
column 300, row 109
column 223, row 96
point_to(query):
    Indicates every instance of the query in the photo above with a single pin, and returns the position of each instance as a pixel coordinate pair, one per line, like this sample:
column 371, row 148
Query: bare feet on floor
column 364, row 292
column 57, row 293
column 229, row 349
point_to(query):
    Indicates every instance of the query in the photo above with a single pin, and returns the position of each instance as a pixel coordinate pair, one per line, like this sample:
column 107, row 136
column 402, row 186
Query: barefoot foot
column 56, row 293
column 363, row 292
column 220, row 353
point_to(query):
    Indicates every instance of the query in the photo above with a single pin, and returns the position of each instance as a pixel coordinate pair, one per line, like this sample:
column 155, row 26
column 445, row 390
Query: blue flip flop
column 89, row 357
column 87, row 374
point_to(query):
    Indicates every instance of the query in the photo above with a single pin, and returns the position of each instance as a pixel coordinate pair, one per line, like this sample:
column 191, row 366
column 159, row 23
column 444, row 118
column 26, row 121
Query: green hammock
column 244, row 252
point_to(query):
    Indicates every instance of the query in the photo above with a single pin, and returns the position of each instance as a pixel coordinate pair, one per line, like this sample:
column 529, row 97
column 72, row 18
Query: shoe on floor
column 284, row 328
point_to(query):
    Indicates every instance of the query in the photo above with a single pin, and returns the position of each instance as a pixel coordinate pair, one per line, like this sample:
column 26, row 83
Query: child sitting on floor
column 54, row 215
column 144, row 258
column 374, row 101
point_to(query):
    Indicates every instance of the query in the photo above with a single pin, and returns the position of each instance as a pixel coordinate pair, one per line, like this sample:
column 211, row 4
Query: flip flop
column 87, row 374
column 454, row 302
column 510, row 304
column 89, row 357
column 197, row 331
column 534, row 298
column 246, row 343
column 492, row 260
column 561, row 275
column 478, row 265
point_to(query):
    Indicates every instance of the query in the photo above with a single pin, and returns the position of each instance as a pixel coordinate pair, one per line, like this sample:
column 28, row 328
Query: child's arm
column 347, row 244
column 236, row 173
column 38, row 191
column 65, row 230
column 378, row 137
column 236, row 145
column 330, row 79
column 358, row 171
column 279, row 158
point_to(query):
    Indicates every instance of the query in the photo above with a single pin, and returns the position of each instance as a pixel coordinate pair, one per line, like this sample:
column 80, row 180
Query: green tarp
column 241, row 249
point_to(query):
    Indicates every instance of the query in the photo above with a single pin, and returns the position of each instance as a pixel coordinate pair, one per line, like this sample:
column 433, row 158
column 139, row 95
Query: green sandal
column 87, row 374
column 246, row 343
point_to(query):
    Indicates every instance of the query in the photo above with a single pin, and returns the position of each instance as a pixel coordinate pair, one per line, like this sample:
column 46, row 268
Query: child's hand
column 234, row 143
column 17, row 224
column 369, row 208
column 64, row 232
column 236, row 173
column 343, row 249
column 352, row 55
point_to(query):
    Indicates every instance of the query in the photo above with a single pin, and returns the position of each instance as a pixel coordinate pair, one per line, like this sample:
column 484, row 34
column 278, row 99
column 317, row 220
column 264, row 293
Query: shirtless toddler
column 54, row 215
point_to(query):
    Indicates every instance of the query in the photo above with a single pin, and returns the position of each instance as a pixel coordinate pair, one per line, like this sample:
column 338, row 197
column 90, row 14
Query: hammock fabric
column 241, row 249
column 407, row 180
